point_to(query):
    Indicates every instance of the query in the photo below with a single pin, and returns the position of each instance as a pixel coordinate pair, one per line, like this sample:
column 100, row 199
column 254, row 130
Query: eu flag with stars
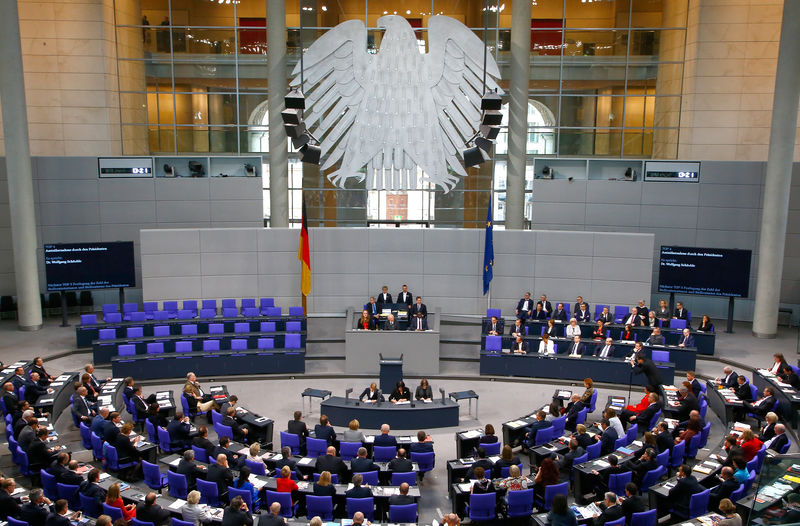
column 488, row 251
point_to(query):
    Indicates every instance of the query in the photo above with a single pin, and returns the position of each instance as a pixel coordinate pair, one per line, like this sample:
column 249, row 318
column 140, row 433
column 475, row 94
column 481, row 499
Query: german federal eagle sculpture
column 399, row 109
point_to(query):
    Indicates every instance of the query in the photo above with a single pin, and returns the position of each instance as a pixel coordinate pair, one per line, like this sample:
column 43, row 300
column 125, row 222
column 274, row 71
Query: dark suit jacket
column 141, row 406
column 583, row 316
column 11, row 402
column 605, row 318
column 688, row 404
column 19, row 381
column 325, row 433
column 155, row 514
column 231, row 517
column 664, row 441
column 38, row 456
column 500, row 326
column 361, row 465
column 421, row 447
column 531, row 307
column 400, row 500
column 54, row 519
column 687, row 341
column 381, row 300
column 516, row 346
column 609, row 515
column 743, row 392
column 359, row 492
column 633, row 321
column 125, row 448
column 191, row 471
column 581, row 348
column 238, row 434
column 600, row 348
column 34, row 514
column 680, row 494
column 538, row 315
column 731, row 381
column 649, row 369
column 401, row 465
column 375, row 396
column 90, row 489
column 723, row 491
column 64, row 475
column 560, row 315
column 222, row 476
column 331, row 464
column 9, row 507
column 34, row 391
column 546, row 306
column 779, row 442
column 682, row 314
column 419, row 309
column 573, row 408
column 565, row 462
column 633, row 505
column 44, row 378
column 203, row 443
column 644, row 416
column 80, row 408
column 409, row 300
column 521, row 329
column 230, row 455
column 656, row 339
column 385, row 440
column 299, row 428
column 608, row 438
column 641, row 467
column 535, row 427
column 178, row 433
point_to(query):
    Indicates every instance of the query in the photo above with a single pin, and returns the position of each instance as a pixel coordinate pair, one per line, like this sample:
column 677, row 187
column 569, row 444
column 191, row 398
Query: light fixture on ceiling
column 324, row 8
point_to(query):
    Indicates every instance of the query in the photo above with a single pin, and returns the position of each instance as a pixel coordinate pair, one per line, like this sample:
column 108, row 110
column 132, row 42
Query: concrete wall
column 74, row 205
column 350, row 264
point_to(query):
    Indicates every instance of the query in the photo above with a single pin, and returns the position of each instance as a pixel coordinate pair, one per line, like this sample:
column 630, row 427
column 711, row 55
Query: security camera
column 169, row 170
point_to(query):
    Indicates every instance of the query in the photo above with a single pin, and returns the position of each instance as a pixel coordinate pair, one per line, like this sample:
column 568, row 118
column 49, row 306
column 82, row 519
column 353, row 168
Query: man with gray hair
column 28, row 434
column 274, row 517
column 385, row 439
column 779, row 441
column 729, row 379
column 611, row 510
column 36, row 510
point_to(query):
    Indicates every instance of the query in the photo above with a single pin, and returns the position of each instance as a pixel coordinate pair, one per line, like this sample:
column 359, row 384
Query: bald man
column 331, row 463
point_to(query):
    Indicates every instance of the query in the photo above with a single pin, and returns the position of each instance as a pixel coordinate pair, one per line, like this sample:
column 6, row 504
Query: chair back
column 663, row 458
column 295, row 311
column 164, row 440
column 88, row 319
column 86, row 435
column 406, row 512
column 349, row 450
column 289, row 440
column 552, row 490
column 134, row 332
column 660, row 356
column 200, row 454
column 152, row 436
column 209, row 492
column 655, row 419
column 703, row 407
column 321, row 506
column 749, row 482
column 152, row 475
column 316, row 447
column 112, row 511
column 558, row 426
column 178, row 522
column 520, row 503
column 383, row 453
column 216, row 417
column 582, row 416
column 617, row 481
column 704, row 434
column 543, row 436
column 694, row 446
column 107, row 334
column 594, row 450
column 409, row 478
column 630, row 436
column 211, row 345
column 620, row 312
column 645, row 518
column 482, row 506
column 69, row 492
column 216, row 328
column 14, row 522
column 493, row 312
column 126, row 349
column 425, row 461
column 678, row 453
column 294, row 326
column 177, row 485
column 89, row 506
column 97, row 447
column 492, row 448
column 224, row 431
column 365, row 506
column 593, row 401
column 494, row 343
column 292, row 341
column 256, row 468
column 737, row 493
column 677, row 324
column 284, row 499
column 49, row 485
column 137, row 522
column 651, row 477
column 618, row 522
column 698, row 503
column 238, row 344
column 239, row 327
column 183, row 346
column 155, row 348
column 244, row 493
column 266, row 343
column 620, row 442
column 370, row 477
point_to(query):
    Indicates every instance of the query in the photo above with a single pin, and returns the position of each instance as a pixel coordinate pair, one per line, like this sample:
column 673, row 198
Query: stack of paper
column 471, row 434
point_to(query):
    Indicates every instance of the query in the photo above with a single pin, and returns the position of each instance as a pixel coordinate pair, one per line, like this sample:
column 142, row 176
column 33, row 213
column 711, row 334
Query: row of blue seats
column 185, row 314
column 292, row 341
column 190, row 329
column 150, row 309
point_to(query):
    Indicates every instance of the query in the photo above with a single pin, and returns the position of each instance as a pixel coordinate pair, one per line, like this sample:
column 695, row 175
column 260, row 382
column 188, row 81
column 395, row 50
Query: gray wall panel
column 223, row 212
column 657, row 193
column 66, row 233
column 514, row 242
column 228, row 239
column 560, row 214
column 229, row 286
column 183, row 211
column 70, row 214
column 136, row 212
column 668, row 216
column 445, row 263
column 67, row 191
column 612, row 214
column 565, row 243
column 620, row 193
column 229, row 263
column 170, row 241
column 408, row 241
column 126, row 190
column 391, row 263
column 165, row 265
column 182, row 189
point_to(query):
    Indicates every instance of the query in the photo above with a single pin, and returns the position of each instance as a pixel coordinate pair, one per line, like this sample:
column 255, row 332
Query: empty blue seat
column 107, row 334
column 661, row 356
column 620, row 313
column 138, row 316
column 189, row 329
column 645, row 518
column 493, row 312
column 161, row 315
column 383, row 453
column 238, row 344
column 126, row 350
column 207, row 314
column 250, row 312
column 88, row 319
column 494, row 343
column 295, row 311
column 183, row 346
column 241, row 327
column 520, row 503
column 291, row 441
column 155, row 348
column 365, row 506
column 293, row 326
column 160, row 330
column 185, row 314
column 266, row 343
column 150, row 308
column 230, row 312
column 209, row 304
column 408, row 512
column 216, row 328
column 267, row 326
column 265, row 303
column 112, row 317
column 292, row 341
column 228, row 304
column 409, row 478
column 134, row 332
column 190, row 305
column 171, row 307
column 109, row 308
column 210, row 345
column 176, row 484
column 248, row 303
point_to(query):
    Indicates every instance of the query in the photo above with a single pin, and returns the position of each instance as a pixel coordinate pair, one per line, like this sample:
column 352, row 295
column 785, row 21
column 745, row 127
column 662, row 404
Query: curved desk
column 341, row 411
column 608, row 370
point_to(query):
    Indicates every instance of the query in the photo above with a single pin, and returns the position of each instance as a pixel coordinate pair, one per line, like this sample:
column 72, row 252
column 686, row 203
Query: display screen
column 683, row 172
column 81, row 266
column 704, row 271
column 125, row 167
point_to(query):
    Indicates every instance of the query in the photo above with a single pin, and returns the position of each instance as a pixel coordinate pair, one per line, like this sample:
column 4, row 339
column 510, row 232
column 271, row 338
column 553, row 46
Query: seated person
column 385, row 439
column 400, row 463
column 493, row 327
column 605, row 316
column 633, row 319
column 358, row 491
column 366, row 322
column 361, row 463
column 519, row 346
column 683, row 490
column 574, row 407
column 524, row 307
column 680, row 312
column 179, row 431
column 576, row 347
column 424, row 392
column 481, row 484
column 546, row 346
column 390, row 324
column 400, row 393
column 546, row 475
column 599, row 332
column 559, row 314
column 582, row 314
column 763, row 405
column 706, row 325
column 651, row 320
column 324, row 430
column 565, row 461
column 371, row 394
column 353, row 433
column 626, row 334
column 551, row 330
column 539, row 314
column 686, row 340
column 518, row 329
column 611, row 510
column 323, row 486
column 481, row 462
column 402, row 499
column 423, row 443
column 546, row 306
column 539, row 423
column 655, row 338
column 606, row 350
column 507, row 459
column 573, row 329
column 240, row 431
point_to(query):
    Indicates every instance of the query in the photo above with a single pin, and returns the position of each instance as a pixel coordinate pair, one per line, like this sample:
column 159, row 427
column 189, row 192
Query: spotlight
column 491, row 101
column 492, row 118
column 310, row 153
column 474, row 156
column 196, row 169
column 169, row 170
column 250, row 170
column 295, row 99
column 292, row 116
column 300, row 140
column 490, row 132
column 484, row 144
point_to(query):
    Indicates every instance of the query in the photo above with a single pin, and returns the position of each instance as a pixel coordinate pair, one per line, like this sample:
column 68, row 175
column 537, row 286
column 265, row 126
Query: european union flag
column 488, row 251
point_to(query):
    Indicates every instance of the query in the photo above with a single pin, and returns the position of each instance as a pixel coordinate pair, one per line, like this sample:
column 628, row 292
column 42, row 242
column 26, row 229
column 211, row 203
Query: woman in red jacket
column 285, row 484
column 750, row 444
column 113, row 499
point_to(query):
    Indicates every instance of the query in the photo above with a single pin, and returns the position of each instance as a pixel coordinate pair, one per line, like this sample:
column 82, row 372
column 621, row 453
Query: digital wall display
column 682, row 172
column 125, row 167
column 704, row 271
column 81, row 266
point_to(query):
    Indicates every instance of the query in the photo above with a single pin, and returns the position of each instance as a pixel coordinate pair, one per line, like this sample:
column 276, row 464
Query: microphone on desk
column 442, row 391
column 380, row 397
column 347, row 395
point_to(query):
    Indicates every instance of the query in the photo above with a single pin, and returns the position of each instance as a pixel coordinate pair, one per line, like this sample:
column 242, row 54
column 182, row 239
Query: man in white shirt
column 633, row 319
column 606, row 351
column 576, row 349
column 545, row 304
column 525, row 307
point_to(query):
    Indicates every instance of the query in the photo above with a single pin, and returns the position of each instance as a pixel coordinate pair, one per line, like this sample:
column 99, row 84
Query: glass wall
column 606, row 81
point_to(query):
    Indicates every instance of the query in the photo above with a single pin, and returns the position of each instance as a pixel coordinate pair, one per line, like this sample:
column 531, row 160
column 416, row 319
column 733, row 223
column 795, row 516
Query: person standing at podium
column 384, row 299
column 405, row 297
column 371, row 394
column 419, row 314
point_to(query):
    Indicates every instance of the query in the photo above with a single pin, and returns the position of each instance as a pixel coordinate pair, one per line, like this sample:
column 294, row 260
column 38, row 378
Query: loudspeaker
column 310, row 153
column 489, row 132
column 491, row 101
column 292, row 116
column 474, row 156
column 295, row 99
column 492, row 118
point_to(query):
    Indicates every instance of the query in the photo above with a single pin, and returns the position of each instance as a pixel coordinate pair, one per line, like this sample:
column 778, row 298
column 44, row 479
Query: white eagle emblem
column 399, row 109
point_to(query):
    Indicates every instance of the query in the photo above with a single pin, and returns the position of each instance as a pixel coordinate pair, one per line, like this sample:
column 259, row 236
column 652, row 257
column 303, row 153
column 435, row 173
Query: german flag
column 304, row 255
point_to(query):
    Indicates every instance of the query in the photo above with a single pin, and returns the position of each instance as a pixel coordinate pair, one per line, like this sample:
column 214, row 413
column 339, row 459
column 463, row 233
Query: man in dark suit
column 539, row 314
column 240, row 431
column 80, row 407
column 688, row 403
column 419, row 316
column 385, row 439
column 524, row 307
column 422, row 445
column 384, row 299
column 779, row 441
column 99, row 422
column 34, row 390
column 149, row 511
column 372, row 308
column 222, row 449
column 35, row 512
column 139, row 401
column 680, row 313
column 518, row 329
column 60, row 470
column 729, row 379
column 763, row 405
column 400, row 463
column 686, row 340
column 331, row 463
column 299, row 428
column 682, row 492
column 127, row 391
column 324, row 431
column 697, row 388
column 664, row 439
column 583, row 315
column 202, row 441
column 742, row 390
column 189, row 469
column 559, row 314
column 633, row 319
column 546, row 306
column 519, row 346
column 565, row 461
column 656, row 338
column 576, row 347
column 10, row 399
column 577, row 307
column 645, row 365
column 644, row 312
column 403, row 498
column 633, row 503
column 611, row 510
column 39, row 455
column 494, row 327
column 404, row 297
column 390, row 324
column 237, row 514
column 91, row 488
column 539, row 423
column 608, row 438
column 605, row 351
column 287, row 460
column 357, row 491
column 647, row 462
column 59, row 517
column 19, row 379
column 361, row 463
column 605, row 316
column 273, row 518
column 642, row 419
column 28, row 434
column 179, row 429
column 221, row 475
column 724, row 490
column 110, row 429
column 574, row 407
column 9, row 506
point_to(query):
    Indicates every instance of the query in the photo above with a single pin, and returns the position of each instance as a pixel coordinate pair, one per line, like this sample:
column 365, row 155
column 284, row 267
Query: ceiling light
column 324, row 8
column 408, row 11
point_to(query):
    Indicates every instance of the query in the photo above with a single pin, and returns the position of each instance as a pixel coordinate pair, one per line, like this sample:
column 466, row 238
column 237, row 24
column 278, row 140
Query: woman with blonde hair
column 728, row 508
column 193, row 512
column 253, row 454
column 323, row 487
column 353, row 433
column 515, row 481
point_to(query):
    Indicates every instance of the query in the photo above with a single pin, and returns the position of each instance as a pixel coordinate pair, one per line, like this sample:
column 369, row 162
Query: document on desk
column 465, row 487
column 471, row 434
column 304, row 461
column 175, row 462
column 407, row 402
column 162, row 395
column 177, row 505
column 516, row 424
